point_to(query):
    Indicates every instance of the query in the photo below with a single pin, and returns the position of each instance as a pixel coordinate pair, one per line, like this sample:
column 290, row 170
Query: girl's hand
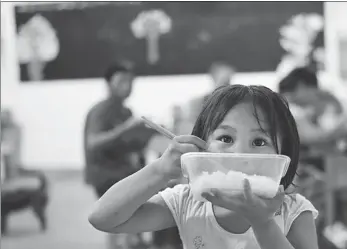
column 170, row 161
column 253, row 208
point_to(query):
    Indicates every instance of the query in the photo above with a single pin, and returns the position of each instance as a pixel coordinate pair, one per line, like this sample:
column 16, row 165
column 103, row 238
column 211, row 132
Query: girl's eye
column 259, row 142
column 225, row 139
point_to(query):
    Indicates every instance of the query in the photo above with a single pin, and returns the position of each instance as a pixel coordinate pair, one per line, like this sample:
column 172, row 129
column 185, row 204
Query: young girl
column 234, row 119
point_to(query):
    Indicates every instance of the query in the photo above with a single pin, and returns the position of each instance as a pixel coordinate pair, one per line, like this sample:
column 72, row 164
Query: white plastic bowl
column 226, row 171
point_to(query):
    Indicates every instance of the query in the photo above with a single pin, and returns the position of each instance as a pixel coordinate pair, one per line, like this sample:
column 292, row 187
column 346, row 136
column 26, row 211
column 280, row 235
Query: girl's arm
column 302, row 234
column 127, row 207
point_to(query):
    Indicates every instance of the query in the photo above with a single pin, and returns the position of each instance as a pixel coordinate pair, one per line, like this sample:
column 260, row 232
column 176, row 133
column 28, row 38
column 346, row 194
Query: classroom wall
column 52, row 114
column 335, row 27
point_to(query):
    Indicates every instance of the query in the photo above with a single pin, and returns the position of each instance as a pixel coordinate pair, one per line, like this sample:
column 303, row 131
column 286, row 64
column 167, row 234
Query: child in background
column 234, row 119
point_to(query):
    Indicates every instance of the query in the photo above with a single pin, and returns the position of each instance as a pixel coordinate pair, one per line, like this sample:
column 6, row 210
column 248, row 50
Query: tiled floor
column 68, row 227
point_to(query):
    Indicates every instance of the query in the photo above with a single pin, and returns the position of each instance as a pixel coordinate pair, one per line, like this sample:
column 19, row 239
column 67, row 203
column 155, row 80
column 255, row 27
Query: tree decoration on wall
column 297, row 38
column 151, row 25
column 37, row 44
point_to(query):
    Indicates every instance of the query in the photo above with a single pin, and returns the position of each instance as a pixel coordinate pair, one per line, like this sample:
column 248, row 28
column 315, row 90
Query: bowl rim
column 239, row 155
column 246, row 155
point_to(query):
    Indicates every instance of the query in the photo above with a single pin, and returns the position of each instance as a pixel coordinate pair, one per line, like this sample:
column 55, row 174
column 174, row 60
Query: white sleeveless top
column 199, row 229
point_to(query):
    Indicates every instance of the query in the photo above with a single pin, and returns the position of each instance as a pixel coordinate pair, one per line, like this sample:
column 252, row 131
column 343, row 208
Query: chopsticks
column 159, row 128
column 164, row 132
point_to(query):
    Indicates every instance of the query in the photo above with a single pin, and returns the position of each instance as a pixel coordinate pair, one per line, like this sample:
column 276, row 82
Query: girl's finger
column 185, row 148
column 281, row 189
column 247, row 190
column 211, row 197
column 280, row 194
column 217, row 199
column 190, row 139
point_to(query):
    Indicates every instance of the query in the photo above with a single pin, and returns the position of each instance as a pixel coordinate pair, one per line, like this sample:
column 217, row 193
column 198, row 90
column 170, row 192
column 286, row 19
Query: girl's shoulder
column 293, row 206
column 295, row 201
column 181, row 203
column 177, row 194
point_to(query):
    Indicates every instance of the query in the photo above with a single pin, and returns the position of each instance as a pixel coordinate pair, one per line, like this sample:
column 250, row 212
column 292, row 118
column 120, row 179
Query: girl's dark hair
column 275, row 108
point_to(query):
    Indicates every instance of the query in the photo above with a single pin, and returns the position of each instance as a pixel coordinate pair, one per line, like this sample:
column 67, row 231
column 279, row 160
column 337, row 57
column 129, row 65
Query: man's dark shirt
column 118, row 159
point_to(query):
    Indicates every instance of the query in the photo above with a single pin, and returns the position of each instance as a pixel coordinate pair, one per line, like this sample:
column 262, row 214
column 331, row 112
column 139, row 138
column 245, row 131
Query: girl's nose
column 240, row 148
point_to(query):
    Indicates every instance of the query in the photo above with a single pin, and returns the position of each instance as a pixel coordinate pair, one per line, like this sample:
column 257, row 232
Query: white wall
column 52, row 113
column 336, row 25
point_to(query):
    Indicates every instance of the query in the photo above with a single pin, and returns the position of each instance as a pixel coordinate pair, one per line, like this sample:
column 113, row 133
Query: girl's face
column 239, row 132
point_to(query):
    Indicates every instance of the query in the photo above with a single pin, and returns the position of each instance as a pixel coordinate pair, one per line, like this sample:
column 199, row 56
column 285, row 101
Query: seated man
column 114, row 141
column 309, row 106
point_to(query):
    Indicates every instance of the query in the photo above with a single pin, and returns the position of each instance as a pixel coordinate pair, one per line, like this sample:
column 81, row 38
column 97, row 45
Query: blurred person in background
column 313, row 108
column 10, row 145
column 221, row 74
column 321, row 122
column 20, row 187
column 114, row 141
